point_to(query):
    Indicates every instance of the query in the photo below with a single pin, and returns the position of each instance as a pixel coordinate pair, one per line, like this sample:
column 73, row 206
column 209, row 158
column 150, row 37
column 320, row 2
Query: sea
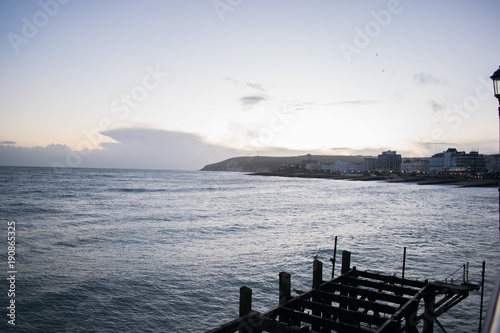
column 116, row 250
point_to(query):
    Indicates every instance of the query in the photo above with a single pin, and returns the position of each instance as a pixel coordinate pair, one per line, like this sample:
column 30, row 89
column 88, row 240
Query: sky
column 179, row 84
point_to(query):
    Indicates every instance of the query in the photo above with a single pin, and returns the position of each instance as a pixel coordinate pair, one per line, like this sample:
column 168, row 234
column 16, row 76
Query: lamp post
column 496, row 88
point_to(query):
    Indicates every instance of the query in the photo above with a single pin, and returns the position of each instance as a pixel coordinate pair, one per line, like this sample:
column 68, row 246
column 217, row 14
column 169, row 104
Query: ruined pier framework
column 355, row 301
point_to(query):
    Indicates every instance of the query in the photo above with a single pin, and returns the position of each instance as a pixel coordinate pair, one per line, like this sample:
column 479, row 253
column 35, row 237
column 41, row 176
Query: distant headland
column 270, row 163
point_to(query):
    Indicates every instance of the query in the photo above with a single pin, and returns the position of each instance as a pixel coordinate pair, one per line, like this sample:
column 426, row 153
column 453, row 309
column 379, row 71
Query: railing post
column 482, row 292
column 404, row 263
column 467, row 279
column 334, row 256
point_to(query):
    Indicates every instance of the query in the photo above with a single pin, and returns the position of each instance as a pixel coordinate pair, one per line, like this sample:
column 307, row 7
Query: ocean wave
column 136, row 190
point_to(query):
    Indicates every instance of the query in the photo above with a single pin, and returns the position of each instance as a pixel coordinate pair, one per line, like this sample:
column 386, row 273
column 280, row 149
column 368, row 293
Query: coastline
column 388, row 179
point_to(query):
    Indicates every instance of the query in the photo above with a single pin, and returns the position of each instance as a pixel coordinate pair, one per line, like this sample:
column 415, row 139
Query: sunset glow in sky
column 183, row 83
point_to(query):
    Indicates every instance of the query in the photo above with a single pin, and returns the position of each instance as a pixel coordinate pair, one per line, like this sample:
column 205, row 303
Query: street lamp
column 496, row 88
column 496, row 83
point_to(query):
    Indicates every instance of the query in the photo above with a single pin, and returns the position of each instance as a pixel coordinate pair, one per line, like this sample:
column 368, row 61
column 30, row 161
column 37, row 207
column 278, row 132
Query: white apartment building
column 415, row 165
column 342, row 166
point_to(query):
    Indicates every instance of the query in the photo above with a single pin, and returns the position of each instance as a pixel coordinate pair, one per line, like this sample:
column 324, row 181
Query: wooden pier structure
column 355, row 301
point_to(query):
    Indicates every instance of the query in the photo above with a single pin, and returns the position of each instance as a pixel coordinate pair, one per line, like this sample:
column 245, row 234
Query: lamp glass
column 496, row 87
column 496, row 83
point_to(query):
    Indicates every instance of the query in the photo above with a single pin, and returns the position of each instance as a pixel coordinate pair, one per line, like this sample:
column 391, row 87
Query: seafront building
column 370, row 164
column 344, row 167
column 452, row 160
column 415, row 165
column 389, row 161
column 493, row 163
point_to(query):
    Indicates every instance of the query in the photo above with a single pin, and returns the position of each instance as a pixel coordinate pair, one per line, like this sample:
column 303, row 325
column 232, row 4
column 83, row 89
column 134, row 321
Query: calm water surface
column 102, row 250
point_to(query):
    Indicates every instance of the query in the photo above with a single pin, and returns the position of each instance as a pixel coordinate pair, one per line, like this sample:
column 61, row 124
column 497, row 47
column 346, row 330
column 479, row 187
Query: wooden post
column 482, row 295
column 317, row 273
column 428, row 316
column 346, row 262
column 411, row 317
column 285, row 293
column 404, row 263
column 285, row 287
column 317, row 280
column 346, row 266
column 334, row 256
column 467, row 279
column 245, row 300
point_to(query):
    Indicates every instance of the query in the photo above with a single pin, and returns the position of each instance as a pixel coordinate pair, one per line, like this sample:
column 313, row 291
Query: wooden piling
column 346, row 267
column 245, row 300
column 284, row 293
column 285, row 287
column 317, row 280
column 317, row 273
column 346, row 262
column 429, row 315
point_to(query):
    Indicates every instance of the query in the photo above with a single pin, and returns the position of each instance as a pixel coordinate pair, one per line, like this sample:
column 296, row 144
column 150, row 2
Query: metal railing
column 464, row 276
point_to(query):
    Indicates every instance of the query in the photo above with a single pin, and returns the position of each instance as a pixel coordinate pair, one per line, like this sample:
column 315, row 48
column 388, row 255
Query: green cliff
column 268, row 163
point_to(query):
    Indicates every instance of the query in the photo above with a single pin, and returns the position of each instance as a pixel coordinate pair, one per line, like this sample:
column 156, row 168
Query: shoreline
column 416, row 180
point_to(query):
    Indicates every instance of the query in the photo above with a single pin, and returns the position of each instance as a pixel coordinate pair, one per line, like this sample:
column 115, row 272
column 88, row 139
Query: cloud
column 423, row 79
column 427, row 148
column 347, row 151
column 353, row 102
column 431, row 147
column 151, row 148
column 430, row 144
column 138, row 148
column 436, row 106
column 7, row 142
column 341, row 150
column 231, row 80
column 35, row 156
column 255, row 93
column 247, row 101
column 256, row 86
column 252, row 85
